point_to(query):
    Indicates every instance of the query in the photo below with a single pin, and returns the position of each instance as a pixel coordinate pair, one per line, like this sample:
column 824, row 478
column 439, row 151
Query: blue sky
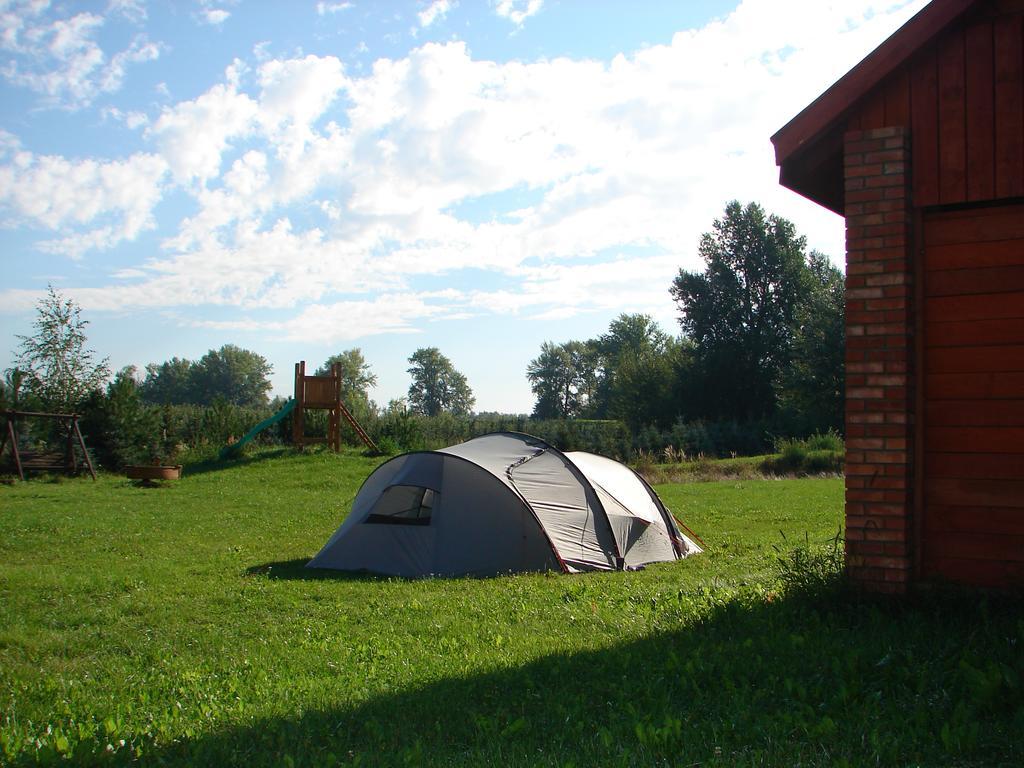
column 302, row 178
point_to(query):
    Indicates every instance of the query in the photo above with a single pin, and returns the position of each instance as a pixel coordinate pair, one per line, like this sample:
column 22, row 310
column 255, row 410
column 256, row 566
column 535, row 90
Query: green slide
column 287, row 408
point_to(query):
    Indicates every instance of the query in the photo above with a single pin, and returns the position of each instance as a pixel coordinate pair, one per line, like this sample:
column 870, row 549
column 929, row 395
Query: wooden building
column 921, row 148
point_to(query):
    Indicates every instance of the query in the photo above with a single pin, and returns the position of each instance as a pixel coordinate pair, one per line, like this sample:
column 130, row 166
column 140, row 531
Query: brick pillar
column 879, row 359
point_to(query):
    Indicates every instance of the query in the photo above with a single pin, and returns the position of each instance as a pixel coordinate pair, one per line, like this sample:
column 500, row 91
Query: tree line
column 762, row 340
column 56, row 372
column 760, row 350
column 184, row 405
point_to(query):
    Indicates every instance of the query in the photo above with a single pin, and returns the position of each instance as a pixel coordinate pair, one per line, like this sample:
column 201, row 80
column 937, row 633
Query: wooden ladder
column 358, row 429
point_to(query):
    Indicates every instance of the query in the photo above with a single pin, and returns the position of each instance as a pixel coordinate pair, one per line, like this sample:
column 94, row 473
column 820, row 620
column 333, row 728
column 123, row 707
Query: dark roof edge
column 900, row 46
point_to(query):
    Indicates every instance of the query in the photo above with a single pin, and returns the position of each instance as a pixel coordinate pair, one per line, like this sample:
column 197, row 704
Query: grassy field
column 176, row 625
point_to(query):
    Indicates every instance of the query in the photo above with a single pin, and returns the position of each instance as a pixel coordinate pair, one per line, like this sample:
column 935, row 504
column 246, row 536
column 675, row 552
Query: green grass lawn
column 176, row 625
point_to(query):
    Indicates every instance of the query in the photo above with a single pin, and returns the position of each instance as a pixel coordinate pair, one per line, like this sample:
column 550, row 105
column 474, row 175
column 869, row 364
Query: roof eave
column 826, row 110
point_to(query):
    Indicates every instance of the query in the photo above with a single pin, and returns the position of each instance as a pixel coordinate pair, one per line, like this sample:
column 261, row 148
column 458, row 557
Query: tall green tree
column 436, row 386
column 629, row 340
column 356, row 376
column 639, row 367
column 169, row 382
column 741, row 310
column 122, row 429
column 562, row 377
column 645, row 389
column 815, row 380
column 58, row 368
column 10, row 388
column 232, row 374
column 356, row 380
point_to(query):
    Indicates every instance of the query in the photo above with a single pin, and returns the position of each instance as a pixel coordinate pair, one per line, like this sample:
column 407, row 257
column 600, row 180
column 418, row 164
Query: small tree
column 815, row 381
column 168, row 382
column 436, row 386
column 122, row 429
column 235, row 375
column 636, row 371
column 59, row 369
column 10, row 388
column 356, row 377
column 397, row 429
column 562, row 378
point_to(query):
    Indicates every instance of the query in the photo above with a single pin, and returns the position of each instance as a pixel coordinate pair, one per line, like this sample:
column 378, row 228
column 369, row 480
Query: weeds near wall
column 809, row 569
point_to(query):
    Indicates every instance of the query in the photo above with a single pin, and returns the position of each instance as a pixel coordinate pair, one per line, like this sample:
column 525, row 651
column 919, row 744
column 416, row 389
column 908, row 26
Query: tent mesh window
column 403, row 505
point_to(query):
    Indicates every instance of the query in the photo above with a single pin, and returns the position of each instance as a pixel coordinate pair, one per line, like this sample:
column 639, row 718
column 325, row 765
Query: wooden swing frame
column 70, row 463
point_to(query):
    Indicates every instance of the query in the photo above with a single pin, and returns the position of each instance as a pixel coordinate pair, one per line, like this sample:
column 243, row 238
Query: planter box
column 150, row 472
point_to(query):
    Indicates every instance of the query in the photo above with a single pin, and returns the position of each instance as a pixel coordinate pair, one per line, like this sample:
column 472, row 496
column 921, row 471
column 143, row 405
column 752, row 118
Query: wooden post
column 70, row 462
column 12, row 435
column 3, row 443
column 298, row 414
column 81, row 443
column 335, row 420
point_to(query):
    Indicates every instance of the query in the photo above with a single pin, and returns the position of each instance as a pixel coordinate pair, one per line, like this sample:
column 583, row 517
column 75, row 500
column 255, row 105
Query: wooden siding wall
column 973, row 372
column 963, row 100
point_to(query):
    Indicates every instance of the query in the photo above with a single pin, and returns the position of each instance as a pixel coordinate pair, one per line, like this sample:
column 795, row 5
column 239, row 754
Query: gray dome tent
column 500, row 503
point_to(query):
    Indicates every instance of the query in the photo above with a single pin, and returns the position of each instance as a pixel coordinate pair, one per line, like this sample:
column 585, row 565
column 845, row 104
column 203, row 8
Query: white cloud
column 131, row 119
column 74, row 246
column 261, row 51
column 637, row 284
column 344, row 321
column 133, row 10
column 19, row 300
column 68, row 195
column 193, row 135
column 9, row 144
column 60, row 58
column 436, row 11
column 581, row 185
column 298, row 91
column 249, row 267
column 324, row 9
column 214, row 16
column 518, row 11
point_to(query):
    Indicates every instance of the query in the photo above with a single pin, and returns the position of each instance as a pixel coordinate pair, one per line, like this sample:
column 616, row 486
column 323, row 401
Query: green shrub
column 387, row 446
column 816, row 455
column 823, row 462
column 792, row 455
column 828, row 441
column 399, row 429
column 644, row 462
column 121, row 429
column 808, row 569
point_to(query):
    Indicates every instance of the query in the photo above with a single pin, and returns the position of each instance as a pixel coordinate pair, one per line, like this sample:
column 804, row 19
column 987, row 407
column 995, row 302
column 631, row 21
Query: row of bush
column 120, row 429
column 816, row 455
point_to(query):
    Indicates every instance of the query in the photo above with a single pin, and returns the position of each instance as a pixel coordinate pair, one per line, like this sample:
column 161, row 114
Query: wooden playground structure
column 322, row 393
column 66, row 461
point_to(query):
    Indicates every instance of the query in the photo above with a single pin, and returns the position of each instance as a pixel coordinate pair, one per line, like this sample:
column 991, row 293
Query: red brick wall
column 879, row 359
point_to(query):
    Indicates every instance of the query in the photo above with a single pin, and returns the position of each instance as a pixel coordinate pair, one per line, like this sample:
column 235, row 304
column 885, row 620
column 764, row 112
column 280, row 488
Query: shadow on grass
column 231, row 461
column 216, row 464
column 748, row 681
column 297, row 570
